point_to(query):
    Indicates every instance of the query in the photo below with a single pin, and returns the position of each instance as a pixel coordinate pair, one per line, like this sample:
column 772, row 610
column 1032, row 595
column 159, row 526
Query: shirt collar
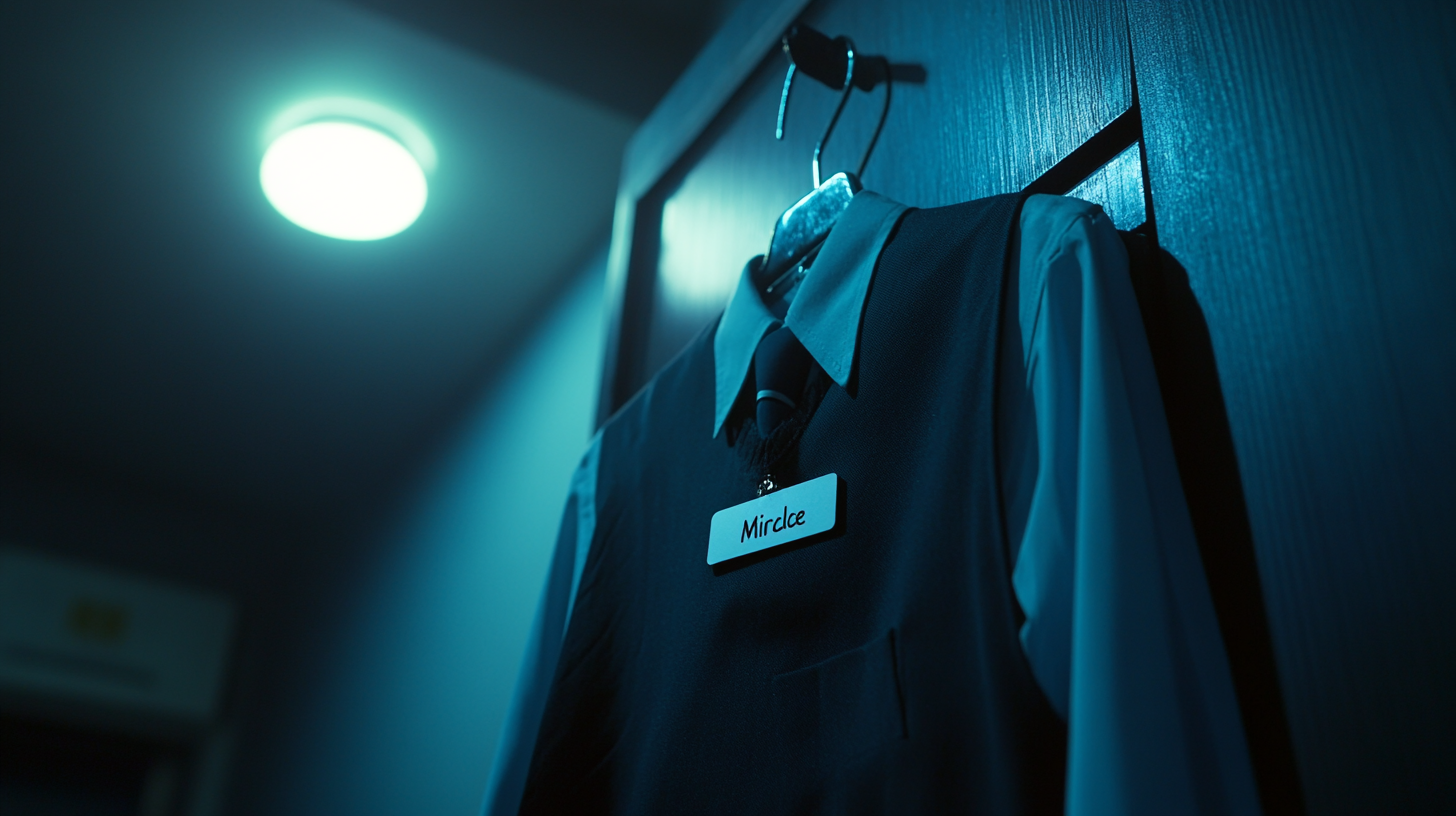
column 827, row 307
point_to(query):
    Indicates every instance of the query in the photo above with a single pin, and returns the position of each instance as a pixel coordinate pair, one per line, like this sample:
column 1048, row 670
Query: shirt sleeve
column 517, row 742
column 1120, row 629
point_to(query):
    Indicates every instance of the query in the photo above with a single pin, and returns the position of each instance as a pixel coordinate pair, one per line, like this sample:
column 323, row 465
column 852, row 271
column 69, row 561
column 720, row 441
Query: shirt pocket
column 838, row 711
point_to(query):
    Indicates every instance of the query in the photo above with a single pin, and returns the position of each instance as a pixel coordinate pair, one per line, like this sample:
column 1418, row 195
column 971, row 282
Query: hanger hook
column 884, row 113
column 838, row 109
column 846, row 86
column 784, row 97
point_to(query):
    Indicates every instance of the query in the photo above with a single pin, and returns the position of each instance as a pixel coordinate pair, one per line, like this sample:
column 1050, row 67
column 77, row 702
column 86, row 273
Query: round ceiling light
column 343, row 180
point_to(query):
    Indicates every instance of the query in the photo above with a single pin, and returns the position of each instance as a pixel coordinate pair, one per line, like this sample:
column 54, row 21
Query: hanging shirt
column 1111, row 613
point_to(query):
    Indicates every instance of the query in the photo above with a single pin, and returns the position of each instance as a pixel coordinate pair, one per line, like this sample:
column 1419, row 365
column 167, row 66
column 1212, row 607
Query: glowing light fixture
column 344, row 180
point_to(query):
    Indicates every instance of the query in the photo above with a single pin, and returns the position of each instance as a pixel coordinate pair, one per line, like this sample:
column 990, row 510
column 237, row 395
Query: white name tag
column 778, row 518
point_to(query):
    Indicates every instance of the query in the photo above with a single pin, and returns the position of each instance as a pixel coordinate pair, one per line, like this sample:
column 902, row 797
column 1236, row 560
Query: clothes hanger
column 801, row 230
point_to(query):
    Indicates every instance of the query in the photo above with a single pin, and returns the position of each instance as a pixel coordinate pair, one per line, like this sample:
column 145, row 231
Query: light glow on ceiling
column 344, row 180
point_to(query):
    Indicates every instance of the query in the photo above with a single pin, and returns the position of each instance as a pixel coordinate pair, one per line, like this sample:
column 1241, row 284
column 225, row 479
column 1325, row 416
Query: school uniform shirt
column 989, row 364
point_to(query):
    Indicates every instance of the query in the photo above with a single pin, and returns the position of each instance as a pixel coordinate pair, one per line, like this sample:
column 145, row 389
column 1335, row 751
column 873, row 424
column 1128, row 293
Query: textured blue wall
column 412, row 680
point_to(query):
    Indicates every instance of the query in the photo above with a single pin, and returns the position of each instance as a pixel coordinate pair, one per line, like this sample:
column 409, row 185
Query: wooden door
column 1294, row 180
column 1009, row 89
column 1301, row 163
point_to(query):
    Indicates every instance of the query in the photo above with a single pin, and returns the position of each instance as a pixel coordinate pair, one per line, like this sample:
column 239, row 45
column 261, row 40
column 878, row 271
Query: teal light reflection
column 1118, row 187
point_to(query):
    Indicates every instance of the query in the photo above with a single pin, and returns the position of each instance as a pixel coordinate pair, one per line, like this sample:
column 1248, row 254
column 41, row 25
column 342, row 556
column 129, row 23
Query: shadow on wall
column 404, row 710
column 1203, row 443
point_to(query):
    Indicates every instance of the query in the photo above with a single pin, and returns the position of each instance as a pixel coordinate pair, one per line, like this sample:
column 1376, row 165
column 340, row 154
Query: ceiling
column 623, row 54
column 165, row 333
